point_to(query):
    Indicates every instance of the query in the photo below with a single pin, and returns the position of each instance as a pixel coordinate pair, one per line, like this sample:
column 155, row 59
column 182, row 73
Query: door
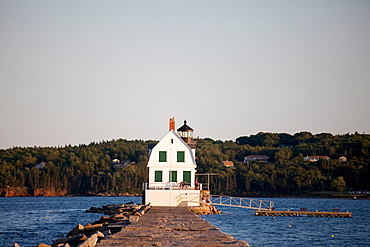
column 187, row 177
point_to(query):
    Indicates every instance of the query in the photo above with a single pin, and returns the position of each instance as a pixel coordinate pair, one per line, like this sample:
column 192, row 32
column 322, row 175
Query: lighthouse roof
column 185, row 127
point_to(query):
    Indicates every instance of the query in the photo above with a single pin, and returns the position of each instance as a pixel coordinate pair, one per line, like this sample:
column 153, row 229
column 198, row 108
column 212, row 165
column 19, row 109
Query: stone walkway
column 171, row 226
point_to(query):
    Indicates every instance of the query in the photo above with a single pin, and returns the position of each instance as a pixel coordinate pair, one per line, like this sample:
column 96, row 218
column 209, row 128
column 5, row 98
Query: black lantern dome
column 186, row 133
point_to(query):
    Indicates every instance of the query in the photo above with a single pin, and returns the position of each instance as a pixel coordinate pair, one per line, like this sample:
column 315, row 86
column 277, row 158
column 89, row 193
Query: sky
column 74, row 72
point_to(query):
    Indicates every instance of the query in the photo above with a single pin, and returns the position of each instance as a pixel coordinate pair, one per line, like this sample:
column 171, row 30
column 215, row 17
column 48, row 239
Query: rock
column 130, row 204
column 100, row 234
column 63, row 245
column 207, row 209
column 76, row 239
column 114, row 206
column 24, row 191
column 43, row 245
column 49, row 192
column 71, row 241
column 59, row 241
column 142, row 210
column 75, row 230
column 119, row 217
column 133, row 218
column 95, row 210
column 90, row 241
column 16, row 192
column 107, row 233
column 104, row 218
column 90, row 227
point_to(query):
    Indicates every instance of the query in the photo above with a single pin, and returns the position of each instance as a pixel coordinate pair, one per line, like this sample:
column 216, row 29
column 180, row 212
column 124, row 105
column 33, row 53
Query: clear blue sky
column 80, row 71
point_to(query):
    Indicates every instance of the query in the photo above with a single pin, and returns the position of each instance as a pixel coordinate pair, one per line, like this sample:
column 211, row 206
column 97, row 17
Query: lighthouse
column 172, row 169
column 186, row 133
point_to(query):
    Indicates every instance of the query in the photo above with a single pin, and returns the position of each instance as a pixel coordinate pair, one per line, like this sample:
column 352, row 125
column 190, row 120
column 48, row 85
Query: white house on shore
column 172, row 170
column 315, row 158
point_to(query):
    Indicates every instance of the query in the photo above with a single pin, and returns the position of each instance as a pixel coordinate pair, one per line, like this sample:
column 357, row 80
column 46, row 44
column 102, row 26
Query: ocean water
column 29, row 221
column 33, row 220
column 298, row 231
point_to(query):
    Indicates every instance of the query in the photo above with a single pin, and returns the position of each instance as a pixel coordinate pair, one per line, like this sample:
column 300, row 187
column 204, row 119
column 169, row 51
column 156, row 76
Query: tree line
column 88, row 169
column 286, row 172
column 82, row 169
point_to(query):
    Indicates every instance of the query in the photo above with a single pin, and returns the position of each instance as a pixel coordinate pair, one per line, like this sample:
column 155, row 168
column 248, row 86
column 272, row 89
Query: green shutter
column 162, row 156
column 173, row 176
column 186, row 175
column 158, row 176
column 180, row 156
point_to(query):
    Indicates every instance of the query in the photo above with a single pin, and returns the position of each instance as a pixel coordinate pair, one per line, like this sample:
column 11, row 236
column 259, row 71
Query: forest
column 89, row 169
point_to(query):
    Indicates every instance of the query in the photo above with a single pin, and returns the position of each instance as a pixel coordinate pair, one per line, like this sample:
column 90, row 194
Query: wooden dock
column 170, row 226
column 304, row 212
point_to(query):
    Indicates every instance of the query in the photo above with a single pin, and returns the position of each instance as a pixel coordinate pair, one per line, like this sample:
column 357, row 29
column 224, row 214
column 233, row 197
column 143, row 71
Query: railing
column 360, row 192
column 241, row 202
column 188, row 197
column 174, row 186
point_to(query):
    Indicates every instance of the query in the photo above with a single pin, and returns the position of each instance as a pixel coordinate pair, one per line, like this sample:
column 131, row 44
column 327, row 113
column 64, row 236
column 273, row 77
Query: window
column 173, row 176
column 186, row 175
column 162, row 156
column 180, row 156
column 158, row 176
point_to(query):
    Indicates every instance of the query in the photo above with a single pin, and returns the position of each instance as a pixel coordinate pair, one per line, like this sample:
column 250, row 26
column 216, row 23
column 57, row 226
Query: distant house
column 116, row 161
column 285, row 146
column 41, row 165
column 122, row 164
column 256, row 158
column 342, row 159
column 315, row 158
column 227, row 163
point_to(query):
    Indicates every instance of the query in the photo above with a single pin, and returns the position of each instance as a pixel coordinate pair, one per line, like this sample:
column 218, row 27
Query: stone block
column 90, row 241
column 75, row 230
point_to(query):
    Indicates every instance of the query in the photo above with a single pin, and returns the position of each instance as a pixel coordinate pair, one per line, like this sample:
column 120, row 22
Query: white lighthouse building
column 172, row 170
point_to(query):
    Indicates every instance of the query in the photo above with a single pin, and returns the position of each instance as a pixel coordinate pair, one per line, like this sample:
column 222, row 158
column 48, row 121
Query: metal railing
column 174, row 186
column 241, row 202
column 188, row 197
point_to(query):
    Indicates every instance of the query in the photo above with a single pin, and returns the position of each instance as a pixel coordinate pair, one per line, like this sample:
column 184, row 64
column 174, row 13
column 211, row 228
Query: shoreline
column 348, row 197
column 27, row 192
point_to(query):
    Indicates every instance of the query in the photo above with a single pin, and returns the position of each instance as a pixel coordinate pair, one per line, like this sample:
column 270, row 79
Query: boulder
column 104, row 218
column 107, row 232
column 95, row 210
column 130, row 204
column 71, row 241
column 119, row 217
column 90, row 227
column 114, row 206
column 63, row 245
column 90, row 241
column 142, row 210
column 100, row 234
column 75, row 230
column 206, row 209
